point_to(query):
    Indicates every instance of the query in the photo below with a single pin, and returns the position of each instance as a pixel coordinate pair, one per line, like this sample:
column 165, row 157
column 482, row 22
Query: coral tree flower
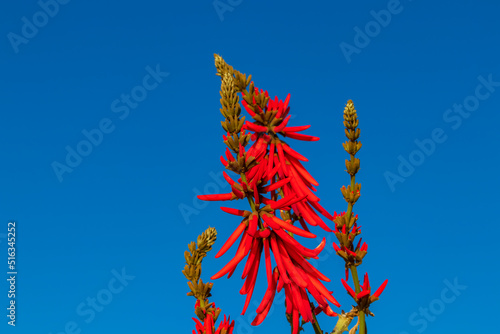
column 208, row 326
column 365, row 290
column 278, row 172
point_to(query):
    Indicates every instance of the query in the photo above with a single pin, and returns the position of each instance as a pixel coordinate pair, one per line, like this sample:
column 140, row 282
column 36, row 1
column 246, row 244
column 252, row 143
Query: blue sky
column 131, row 86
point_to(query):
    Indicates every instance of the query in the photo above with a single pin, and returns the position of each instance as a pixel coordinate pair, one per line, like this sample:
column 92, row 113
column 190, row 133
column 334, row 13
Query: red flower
column 278, row 172
column 365, row 290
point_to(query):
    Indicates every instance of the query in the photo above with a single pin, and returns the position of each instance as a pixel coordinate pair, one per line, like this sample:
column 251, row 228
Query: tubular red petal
column 267, row 256
column 363, row 294
column 269, row 295
column 276, row 185
column 254, row 127
column 294, row 244
column 216, row 197
column 299, row 136
column 288, row 150
column 381, row 289
column 247, row 108
column 229, row 155
column 224, row 162
column 271, row 160
column 300, row 187
column 321, row 288
column 364, row 247
column 240, row 254
column 321, row 210
column 238, row 193
column 263, row 234
column 277, row 257
column 282, row 158
column 295, row 317
column 317, row 218
column 337, row 249
column 236, row 212
column 302, row 171
column 252, row 224
column 296, row 128
column 250, row 282
column 306, row 305
column 366, row 282
column 348, row 288
column 230, row 241
column 298, row 302
column 282, row 125
column 250, row 261
column 293, row 229
column 306, row 266
column 290, row 267
column 329, row 312
column 312, row 289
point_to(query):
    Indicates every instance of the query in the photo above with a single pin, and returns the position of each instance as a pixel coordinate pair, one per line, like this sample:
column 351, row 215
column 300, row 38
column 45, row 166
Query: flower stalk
column 283, row 207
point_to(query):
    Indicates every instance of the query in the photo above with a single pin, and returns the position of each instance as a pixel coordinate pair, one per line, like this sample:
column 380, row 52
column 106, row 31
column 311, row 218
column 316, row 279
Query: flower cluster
column 226, row 326
column 346, row 226
column 280, row 191
column 204, row 310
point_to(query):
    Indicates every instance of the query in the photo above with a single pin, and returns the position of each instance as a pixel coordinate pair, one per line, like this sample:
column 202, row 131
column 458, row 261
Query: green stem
column 250, row 198
column 316, row 326
column 357, row 289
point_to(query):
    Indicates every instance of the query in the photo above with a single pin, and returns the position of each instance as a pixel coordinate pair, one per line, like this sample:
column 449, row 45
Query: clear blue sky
column 138, row 79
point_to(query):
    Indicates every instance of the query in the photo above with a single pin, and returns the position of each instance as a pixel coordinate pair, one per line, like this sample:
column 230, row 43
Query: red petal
column 380, row 289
